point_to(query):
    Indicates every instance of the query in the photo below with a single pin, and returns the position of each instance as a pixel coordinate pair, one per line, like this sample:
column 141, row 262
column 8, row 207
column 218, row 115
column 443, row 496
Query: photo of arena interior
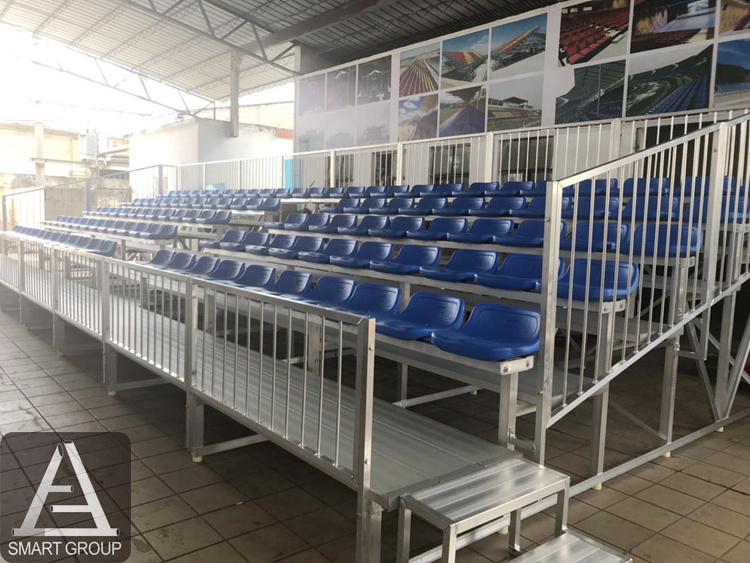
column 374, row 281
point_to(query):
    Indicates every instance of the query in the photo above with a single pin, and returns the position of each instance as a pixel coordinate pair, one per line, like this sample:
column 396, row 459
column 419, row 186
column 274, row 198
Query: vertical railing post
column 399, row 163
column 332, row 170
column 5, row 213
column 195, row 409
column 615, row 139
column 160, row 182
column 548, row 312
column 105, row 324
column 203, row 176
column 21, row 266
column 87, row 194
column 713, row 214
column 489, row 158
column 368, row 517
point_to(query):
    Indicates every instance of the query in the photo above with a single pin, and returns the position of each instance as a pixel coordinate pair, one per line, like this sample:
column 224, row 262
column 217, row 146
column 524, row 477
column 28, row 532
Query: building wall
column 18, row 145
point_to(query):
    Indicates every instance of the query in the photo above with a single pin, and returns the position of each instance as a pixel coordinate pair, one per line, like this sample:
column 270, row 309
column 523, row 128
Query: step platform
column 572, row 547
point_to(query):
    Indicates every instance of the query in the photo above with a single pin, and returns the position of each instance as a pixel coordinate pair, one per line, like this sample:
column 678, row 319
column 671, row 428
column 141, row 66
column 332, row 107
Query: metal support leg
column 58, row 335
column 506, row 432
column 599, row 428
column 724, row 366
column 514, row 533
column 449, row 545
column 195, row 426
column 402, row 381
column 669, row 389
column 403, row 543
column 368, row 533
column 110, row 369
column 561, row 511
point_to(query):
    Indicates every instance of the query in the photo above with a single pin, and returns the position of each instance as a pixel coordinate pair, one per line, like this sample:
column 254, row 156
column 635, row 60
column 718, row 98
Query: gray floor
column 261, row 504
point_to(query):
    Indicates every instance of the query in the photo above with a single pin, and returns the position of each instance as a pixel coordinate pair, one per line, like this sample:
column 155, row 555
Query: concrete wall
column 18, row 145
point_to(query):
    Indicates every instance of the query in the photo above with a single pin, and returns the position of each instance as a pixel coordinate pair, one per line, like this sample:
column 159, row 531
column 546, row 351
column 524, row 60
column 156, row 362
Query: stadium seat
column 330, row 290
column 589, row 273
column 334, row 192
column 354, row 191
column 373, row 300
column 426, row 206
column 314, row 220
column 515, row 188
column 227, row 270
column 250, row 238
column 290, row 283
column 230, row 235
column 335, row 247
column 493, row 332
column 376, row 191
column 394, row 206
column 424, row 314
column 296, row 221
column 302, row 244
column 479, row 189
column 518, row 272
column 161, row 258
column 439, row 228
column 529, row 234
column 445, row 190
column 663, row 239
column 500, row 207
column 399, row 227
column 255, row 275
column 418, row 190
column 599, row 188
column 463, row 264
column 482, row 230
column 537, row 208
column 333, row 225
column 697, row 185
column 602, row 207
column 279, row 241
column 397, row 191
column 461, row 206
column 597, row 238
column 657, row 207
column 298, row 193
column 107, row 248
column 733, row 209
column 367, row 205
column 270, row 204
column 367, row 252
column 204, row 266
column 656, row 186
column 409, row 259
column 365, row 225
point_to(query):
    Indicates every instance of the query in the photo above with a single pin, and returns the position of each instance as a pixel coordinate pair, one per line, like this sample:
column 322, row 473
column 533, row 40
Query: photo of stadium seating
column 592, row 30
column 462, row 111
column 732, row 88
column 419, row 70
column 666, row 85
column 597, row 93
column 663, row 23
column 340, row 129
column 341, row 88
column 518, row 47
column 735, row 16
column 417, row 118
column 312, row 93
column 465, row 59
column 373, row 124
column 374, row 81
column 514, row 104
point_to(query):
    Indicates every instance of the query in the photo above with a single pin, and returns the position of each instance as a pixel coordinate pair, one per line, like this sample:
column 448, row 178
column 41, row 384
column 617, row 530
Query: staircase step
column 572, row 547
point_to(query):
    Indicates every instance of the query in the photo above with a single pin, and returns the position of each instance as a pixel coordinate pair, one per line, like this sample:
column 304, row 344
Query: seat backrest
column 330, row 289
column 407, row 224
column 448, row 225
column 182, row 261
column 256, row 238
column 506, row 322
column 233, row 235
column 419, row 189
column 205, row 265
column 491, row 227
column 374, row 298
column 375, row 190
column 194, row 213
column 530, row 229
column 471, row 260
column 108, row 248
column 400, row 203
column 354, row 191
column 657, row 237
column 429, row 203
column 347, row 202
column 483, row 186
column 371, row 250
column 507, row 203
column 445, row 311
column 270, row 204
column 527, row 266
column 373, row 222
column 642, row 186
column 585, row 271
column 341, row 247
column 162, row 257
column 318, row 219
column 600, row 231
column 222, row 217
column 516, row 188
column 657, row 206
column 283, row 241
column 335, row 192
column 297, row 219
column 447, row 188
column 228, row 270
column 401, row 189
column 256, row 275
column 343, row 221
column 299, row 192
column 466, row 203
column 373, row 203
column 308, row 244
column 418, row 255
column 292, row 282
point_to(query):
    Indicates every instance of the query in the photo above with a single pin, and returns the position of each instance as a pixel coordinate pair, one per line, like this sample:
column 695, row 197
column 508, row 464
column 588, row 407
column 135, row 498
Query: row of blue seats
column 226, row 203
column 99, row 246
column 152, row 231
column 208, row 217
column 493, row 332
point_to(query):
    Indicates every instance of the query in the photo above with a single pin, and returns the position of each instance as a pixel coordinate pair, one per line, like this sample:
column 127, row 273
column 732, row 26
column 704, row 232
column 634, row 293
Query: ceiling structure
column 191, row 44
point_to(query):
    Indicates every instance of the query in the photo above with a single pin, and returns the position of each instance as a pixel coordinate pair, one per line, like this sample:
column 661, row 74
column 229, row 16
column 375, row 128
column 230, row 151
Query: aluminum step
column 572, row 547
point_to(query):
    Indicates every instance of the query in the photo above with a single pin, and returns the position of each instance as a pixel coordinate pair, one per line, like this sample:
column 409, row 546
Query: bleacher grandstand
column 583, row 35
column 734, row 16
column 511, row 113
column 664, row 23
column 419, row 73
column 464, row 66
column 597, row 94
column 527, row 44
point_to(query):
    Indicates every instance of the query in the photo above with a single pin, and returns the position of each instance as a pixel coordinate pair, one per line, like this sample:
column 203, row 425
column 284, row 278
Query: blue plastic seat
column 424, row 314
column 663, row 239
column 602, row 207
column 409, row 260
column 733, row 209
column 461, row 206
column 294, row 222
column 204, row 266
column 270, row 204
column 344, row 202
column 255, row 275
column 365, row 225
column 376, row 191
column 290, row 283
column 418, row 190
column 355, row 191
column 253, row 203
column 335, row 247
column 279, row 241
column 463, row 264
column 516, row 188
column 599, row 188
column 333, row 192
column 641, row 187
column 399, row 227
column 227, row 270
column 252, row 238
column 367, row 252
column 330, row 290
column 397, row 191
column 220, row 218
column 482, row 230
column 479, row 189
column 439, row 228
column 395, row 206
column 299, row 193
column 316, row 220
column 657, row 207
column 445, row 190
column 333, row 225
column 700, row 184
column 162, row 257
column 164, row 232
column 425, row 206
column 493, row 332
column 518, row 272
column 302, row 244
column 367, row 205
column 500, row 207
column 230, row 235
column 590, row 273
column 529, row 234
column 598, row 237
column 373, row 300
column 106, row 248
column 316, row 192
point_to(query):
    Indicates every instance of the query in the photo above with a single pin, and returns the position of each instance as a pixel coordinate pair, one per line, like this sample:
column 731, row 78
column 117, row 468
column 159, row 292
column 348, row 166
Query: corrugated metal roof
column 189, row 43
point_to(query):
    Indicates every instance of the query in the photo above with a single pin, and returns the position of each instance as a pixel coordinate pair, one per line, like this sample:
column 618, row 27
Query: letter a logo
column 92, row 506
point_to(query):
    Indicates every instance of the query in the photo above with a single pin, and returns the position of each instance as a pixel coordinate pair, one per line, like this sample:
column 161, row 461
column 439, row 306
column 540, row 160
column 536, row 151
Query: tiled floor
column 261, row 504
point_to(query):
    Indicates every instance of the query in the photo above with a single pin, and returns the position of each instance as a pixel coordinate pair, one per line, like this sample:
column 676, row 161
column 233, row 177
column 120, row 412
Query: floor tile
column 268, row 544
column 701, row 537
column 239, row 519
column 643, row 513
column 614, row 530
column 183, row 537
